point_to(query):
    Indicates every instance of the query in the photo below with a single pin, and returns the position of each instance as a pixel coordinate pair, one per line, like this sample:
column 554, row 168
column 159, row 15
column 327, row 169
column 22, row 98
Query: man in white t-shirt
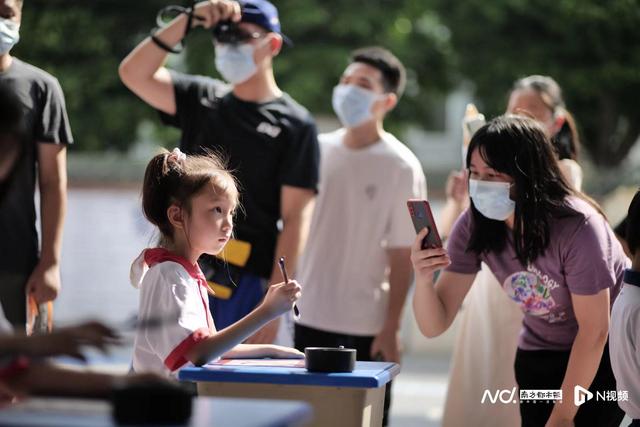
column 356, row 268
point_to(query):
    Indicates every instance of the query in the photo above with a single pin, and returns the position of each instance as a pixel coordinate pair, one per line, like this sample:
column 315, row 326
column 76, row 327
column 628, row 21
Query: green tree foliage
column 591, row 47
column 82, row 44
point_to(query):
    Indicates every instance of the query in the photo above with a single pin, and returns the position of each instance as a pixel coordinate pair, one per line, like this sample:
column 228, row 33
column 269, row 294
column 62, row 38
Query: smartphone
column 422, row 217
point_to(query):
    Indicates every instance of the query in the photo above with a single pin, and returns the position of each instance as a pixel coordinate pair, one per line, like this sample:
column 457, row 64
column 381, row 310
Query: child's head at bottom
column 191, row 199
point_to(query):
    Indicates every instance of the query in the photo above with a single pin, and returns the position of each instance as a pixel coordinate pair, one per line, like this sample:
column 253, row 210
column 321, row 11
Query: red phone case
column 422, row 217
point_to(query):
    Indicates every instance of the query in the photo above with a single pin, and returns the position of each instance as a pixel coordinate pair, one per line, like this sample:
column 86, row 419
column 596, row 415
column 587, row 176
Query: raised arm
column 143, row 71
column 435, row 306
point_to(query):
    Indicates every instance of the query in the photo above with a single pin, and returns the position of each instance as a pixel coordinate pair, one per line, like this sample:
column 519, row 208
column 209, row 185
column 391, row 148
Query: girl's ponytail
column 155, row 192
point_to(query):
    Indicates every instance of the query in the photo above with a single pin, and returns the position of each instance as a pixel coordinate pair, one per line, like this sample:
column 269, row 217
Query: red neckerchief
column 157, row 255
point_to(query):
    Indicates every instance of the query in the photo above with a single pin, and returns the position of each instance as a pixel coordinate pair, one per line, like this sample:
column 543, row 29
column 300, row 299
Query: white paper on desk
column 279, row 363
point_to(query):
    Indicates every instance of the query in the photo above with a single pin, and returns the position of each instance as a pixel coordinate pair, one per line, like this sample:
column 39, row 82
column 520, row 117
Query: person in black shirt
column 11, row 134
column 270, row 142
column 22, row 265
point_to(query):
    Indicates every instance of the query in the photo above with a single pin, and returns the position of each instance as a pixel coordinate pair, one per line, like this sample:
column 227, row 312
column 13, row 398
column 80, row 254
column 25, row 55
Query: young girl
column 555, row 256
column 192, row 200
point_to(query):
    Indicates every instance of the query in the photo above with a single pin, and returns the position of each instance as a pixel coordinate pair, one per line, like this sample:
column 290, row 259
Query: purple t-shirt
column 583, row 258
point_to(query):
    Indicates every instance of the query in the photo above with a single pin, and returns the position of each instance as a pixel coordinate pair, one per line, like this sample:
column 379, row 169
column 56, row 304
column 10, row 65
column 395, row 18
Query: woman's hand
column 72, row 340
column 281, row 296
column 457, row 189
column 280, row 352
column 427, row 261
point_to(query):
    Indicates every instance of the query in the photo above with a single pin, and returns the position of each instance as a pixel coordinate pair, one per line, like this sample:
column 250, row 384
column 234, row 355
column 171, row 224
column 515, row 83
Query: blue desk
column 207, row 412
column 340, row 399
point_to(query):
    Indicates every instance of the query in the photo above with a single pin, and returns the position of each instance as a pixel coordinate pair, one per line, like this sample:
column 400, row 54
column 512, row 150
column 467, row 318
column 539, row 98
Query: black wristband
column 187, row 29
column 162, row 45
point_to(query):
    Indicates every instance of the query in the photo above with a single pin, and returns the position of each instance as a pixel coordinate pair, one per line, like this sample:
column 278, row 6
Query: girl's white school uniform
column 176, row 291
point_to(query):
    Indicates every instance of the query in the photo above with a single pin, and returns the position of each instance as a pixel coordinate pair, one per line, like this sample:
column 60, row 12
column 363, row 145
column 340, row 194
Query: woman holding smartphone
column 489, row 324
column 555, row 256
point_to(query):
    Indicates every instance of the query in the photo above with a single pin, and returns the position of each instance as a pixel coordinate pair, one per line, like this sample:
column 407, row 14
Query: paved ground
column 419, row 392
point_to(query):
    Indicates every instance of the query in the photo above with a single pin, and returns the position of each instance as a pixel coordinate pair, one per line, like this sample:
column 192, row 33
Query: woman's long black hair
column 518, row 147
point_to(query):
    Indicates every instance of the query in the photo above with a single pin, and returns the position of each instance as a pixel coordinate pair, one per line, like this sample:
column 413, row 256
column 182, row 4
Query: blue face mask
column 492, row 199
column 235, row 62
column 9, row 35
column 352, row 104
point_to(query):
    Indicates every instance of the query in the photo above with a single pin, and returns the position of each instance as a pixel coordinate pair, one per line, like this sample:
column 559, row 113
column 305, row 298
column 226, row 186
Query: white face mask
column 235, row 62
column 9, row 35
column 352, row 104
column 492, row 199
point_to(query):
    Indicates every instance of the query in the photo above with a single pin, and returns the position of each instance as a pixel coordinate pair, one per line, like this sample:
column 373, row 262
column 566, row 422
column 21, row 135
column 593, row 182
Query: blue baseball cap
column 262, row 13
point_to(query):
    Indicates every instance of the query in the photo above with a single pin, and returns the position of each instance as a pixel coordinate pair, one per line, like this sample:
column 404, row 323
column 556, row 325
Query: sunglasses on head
column 231, row 33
